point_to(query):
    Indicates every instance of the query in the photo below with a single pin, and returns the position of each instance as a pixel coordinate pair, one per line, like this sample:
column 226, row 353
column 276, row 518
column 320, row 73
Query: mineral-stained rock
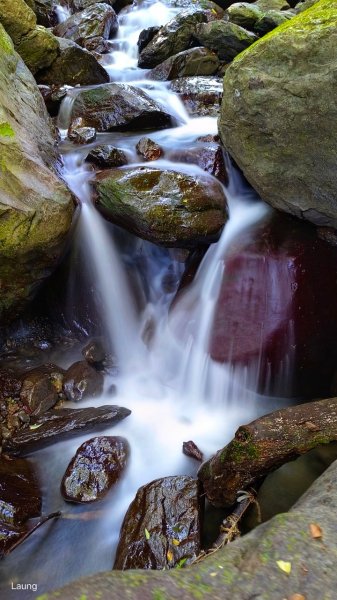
column 196, row 61
column 73, row 66
column 107, row 156
column 63, row 423
column 208, row 157
column 277, row 100
column 119, row 106
column 276, row 308
column 39, row 390
column 82, row 381
column 96, row 466
column 201, row 95
column 149, row 149
column 162, row 525
column 20, row 497
column 192, row 450
column 97, row 21
column 226, row 39
column 172, row 38
column 166, row 207
column 36, row 206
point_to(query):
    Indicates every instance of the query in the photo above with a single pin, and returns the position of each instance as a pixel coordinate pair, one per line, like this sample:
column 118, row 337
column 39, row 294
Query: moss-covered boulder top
column 35, row 207
column 278, row 117
column 166, row 207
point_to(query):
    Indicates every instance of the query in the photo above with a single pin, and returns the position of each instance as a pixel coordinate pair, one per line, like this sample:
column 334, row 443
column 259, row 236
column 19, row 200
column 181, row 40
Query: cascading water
column 175, row 391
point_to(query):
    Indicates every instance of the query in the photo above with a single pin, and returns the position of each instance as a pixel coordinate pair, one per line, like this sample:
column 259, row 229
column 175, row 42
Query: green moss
column 321, row 15
column 6, row 130
column 5, row 41
column 159, row 595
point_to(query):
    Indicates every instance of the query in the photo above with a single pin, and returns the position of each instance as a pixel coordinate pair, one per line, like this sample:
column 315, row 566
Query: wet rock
column 192, row 450
column 10, row 384
column 53, row 97
column 118, row 106
column 82, row 381
column 107, row 156
column 226, row 39
column 165, row 207
column 45, row 12
column 95, row 468
column 276, row 308
column 8, row 536
column 162, row 525
column 97, row 21
column 208, row 157
column 261, row 96
column 148, row 149
column 94, row 353
column 77, row 5
column 271, row 19
column 244, row 14
column 20, row 497
column 30, row 193
column 79, row 133
column 40, row 388
column 73, row 66
column 201, row 95
column 196, row 61
column 36, row 45
column 146, row 36
column 63, row 423
column 172, row 38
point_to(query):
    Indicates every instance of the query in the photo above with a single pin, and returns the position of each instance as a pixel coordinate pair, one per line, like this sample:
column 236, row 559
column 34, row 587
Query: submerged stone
column 200, row 95
column 209, row 157
column 169, row 208
column 95, row 468
column 162, row 526
column 107, row 156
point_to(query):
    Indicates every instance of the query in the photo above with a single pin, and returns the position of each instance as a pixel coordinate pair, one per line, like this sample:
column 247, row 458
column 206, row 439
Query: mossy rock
column 166, row 207
column 36, row 208
column 251, row 567
column 278, row 116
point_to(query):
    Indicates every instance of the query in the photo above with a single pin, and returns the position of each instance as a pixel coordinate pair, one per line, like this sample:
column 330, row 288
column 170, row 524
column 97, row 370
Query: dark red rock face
column 277, row 308
column 96, row 466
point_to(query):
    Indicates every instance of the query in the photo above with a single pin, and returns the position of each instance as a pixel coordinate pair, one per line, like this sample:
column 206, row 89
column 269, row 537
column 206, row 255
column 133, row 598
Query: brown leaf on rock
column 315, row 531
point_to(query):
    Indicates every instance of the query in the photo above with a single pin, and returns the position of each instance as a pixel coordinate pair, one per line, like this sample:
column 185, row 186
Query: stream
column 175, row 391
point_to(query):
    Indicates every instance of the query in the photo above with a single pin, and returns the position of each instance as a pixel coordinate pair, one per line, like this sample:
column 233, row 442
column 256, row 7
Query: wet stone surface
column 20, row 497
column 162, row 526
column 61, row 424
column 82, row 381
column 97, row 466
column 107, row 156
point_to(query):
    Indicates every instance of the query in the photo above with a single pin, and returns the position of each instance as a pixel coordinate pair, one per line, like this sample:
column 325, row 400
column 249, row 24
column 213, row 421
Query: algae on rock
column 35, row 206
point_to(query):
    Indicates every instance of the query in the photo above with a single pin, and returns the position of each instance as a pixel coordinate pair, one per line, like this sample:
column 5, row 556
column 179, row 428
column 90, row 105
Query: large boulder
column 195, row 61
column 73, row 66
column 293, row 556
column 94, row 23
column 118, row 106
column 36, row 45
column 162, row 526
column 165, row 207
column 36, row 207
column 226, row 39
column 172, row 38
column 278, row 117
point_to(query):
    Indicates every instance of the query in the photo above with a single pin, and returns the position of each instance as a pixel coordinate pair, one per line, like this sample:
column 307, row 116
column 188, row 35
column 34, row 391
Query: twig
column 26, row 534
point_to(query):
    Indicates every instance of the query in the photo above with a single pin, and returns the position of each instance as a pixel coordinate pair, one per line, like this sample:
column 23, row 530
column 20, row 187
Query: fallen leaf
column 296, row 597
column 175, row 542
column 147, row 534
column 284, row 566
column 169, row 555
column 315, row 530
column 32, row 427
